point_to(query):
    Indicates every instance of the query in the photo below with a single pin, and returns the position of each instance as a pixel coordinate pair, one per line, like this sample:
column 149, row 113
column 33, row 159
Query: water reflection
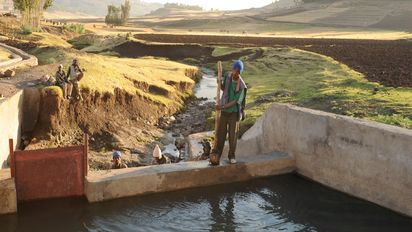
column 222, row 215
column 284, row 203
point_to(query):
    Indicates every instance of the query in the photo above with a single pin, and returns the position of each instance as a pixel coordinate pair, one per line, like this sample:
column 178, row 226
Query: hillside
column 393, row 15
column 172, row 9
column 99, row 7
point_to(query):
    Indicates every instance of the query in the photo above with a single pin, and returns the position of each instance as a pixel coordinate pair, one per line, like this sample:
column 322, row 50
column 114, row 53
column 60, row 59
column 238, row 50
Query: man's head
column 117, row 157
column 75, row 62
column 237, row 69
column 60, row 67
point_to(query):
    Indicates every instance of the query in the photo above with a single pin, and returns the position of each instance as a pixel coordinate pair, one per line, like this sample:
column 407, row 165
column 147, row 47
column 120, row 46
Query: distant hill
column 98, row 8
column 393, row 14
column 176, row 9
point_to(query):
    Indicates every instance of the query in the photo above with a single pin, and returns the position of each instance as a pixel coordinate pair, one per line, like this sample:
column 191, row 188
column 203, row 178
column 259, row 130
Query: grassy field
column 48, row 39
column 280, row 74
column 105, row 73
column 311, row 80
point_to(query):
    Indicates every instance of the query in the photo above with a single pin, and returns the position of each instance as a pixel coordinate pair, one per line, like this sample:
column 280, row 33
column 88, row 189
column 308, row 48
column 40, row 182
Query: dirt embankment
column 114, row 121
column 175, row 52
column 202, row 54
column 386, row 62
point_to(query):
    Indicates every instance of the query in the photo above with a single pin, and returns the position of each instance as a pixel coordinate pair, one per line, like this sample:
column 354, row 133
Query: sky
column 220, row 4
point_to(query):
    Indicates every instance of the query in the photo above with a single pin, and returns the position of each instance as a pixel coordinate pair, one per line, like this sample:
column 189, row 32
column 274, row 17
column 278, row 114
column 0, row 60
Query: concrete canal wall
column 365, row 159
column 8, row 196
column 113, row 184
column 11, row 116
column 20, row 59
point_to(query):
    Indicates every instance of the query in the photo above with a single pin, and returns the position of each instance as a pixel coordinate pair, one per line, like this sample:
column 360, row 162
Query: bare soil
column 386, row 62
column 175, row 51
column 119, row 121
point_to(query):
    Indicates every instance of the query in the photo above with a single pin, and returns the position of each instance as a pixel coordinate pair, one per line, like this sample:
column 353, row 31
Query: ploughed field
column 386, row 62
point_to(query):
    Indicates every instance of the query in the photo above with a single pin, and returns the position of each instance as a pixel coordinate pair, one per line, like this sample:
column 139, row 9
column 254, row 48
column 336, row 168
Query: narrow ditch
column 194, row 118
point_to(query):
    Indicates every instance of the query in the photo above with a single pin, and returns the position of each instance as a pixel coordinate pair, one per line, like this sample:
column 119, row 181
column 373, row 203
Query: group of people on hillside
column 231, row 107
column 68, row 82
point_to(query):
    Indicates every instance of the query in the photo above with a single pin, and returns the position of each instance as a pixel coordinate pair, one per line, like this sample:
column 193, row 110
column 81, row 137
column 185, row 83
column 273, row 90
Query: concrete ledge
column 108, row 185
column 11, row 117
column 23, row 59
column 8, row 197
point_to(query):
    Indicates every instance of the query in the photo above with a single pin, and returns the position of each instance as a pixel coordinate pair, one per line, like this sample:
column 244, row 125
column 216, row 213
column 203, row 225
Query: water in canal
column 206, row 88
column 283, row 203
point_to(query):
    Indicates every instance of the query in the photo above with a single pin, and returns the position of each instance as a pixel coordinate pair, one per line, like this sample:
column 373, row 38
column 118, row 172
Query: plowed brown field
column 386, row 62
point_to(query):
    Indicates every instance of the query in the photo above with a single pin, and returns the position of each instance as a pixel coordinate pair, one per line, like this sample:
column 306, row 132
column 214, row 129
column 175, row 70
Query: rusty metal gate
column 49, row 173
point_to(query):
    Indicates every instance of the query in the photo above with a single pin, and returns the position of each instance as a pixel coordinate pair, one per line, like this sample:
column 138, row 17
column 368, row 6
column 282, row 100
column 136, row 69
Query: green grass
column 52, row 90
column 221, row 51
column 95, row 44
column 106, row 73
column 318, row 82
column 76, row 28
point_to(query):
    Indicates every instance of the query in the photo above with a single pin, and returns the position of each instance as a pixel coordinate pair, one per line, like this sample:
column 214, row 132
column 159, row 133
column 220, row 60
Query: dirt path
column 383, row 61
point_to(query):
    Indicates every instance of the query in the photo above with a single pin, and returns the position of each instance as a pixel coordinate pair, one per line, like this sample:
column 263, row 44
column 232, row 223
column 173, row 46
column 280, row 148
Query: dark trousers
column 228, row 124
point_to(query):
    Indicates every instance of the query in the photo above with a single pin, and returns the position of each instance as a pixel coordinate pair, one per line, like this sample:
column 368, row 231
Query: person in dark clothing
column 61, row 80
column 117, row 161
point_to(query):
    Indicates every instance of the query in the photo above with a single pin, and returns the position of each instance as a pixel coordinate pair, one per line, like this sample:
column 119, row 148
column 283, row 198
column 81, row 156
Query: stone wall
column 365, row 159
column 10, row 124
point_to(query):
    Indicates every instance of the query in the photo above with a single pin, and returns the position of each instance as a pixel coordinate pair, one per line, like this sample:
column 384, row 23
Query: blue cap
column 117, row 154
column 238, row 65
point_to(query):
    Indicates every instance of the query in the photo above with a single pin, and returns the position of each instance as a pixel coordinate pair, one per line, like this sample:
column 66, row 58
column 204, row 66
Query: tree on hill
column 125, row 12
column 32, row 11
column 113, row 16
column 117, row 16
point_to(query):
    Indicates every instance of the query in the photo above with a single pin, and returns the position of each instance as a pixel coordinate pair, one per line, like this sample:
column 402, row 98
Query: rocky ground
column 193, row 118
column 133, row 132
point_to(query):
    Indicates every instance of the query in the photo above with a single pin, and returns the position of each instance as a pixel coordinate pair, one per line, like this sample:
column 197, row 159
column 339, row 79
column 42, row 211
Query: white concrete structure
column 113, row 184
column 20, row 59
column 369, row 160
column 11, row 116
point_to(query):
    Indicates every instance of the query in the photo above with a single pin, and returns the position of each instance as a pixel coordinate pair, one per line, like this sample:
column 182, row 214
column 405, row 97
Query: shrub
column 53, row 91
column 76, row 28
column 51, row 60
column 26, row 30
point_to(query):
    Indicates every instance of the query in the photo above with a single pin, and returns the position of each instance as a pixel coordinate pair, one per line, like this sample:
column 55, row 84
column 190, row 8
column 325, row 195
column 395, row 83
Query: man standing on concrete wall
column 232, row 112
